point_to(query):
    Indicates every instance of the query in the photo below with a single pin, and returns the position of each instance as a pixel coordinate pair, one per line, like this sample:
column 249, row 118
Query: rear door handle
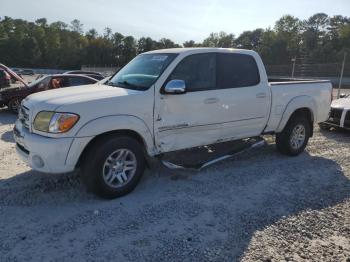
column 261, row 95
column 211, row 100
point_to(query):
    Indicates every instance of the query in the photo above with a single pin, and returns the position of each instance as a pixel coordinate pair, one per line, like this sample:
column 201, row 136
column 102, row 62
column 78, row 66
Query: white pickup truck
column 163, row 101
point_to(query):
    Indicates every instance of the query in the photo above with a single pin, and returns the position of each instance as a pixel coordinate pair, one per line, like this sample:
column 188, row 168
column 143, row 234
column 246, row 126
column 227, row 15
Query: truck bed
column 284, row 90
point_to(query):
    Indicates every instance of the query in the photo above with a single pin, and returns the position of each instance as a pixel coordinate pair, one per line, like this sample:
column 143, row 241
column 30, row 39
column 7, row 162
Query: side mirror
column 342, row 95
column 175, row 87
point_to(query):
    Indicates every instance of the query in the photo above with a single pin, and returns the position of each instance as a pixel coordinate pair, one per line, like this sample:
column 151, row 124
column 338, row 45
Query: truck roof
column 200, row 50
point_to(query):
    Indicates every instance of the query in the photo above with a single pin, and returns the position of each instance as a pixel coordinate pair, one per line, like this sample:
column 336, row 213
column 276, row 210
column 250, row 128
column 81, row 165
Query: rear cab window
column 236, row 70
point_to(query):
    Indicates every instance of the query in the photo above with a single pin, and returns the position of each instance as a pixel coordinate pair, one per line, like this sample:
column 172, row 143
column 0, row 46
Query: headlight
column 55, row 122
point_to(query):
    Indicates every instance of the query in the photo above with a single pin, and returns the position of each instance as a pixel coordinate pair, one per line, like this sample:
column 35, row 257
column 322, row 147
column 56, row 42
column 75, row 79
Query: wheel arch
column 113, row 133
column 303, row 105
column 90, row 133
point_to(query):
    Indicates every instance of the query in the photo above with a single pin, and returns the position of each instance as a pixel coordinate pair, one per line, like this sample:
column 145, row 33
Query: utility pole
column 341, row 75
column 294, row 59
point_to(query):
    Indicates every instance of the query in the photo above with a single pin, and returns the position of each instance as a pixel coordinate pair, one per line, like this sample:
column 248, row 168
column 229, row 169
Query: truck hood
column 91, row 102
column 10, row 90
column 52, row 99
column 342, row 103
column 13, row 74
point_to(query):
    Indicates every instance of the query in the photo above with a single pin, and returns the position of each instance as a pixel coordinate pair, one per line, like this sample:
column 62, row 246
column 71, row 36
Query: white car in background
column 340, row 114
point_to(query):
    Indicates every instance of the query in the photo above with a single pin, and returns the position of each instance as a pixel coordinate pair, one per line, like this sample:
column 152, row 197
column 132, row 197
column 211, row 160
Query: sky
column 179, row 20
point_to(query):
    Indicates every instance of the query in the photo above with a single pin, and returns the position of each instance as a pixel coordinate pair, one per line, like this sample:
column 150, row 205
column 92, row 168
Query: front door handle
column 211, row 100
column 261, row 95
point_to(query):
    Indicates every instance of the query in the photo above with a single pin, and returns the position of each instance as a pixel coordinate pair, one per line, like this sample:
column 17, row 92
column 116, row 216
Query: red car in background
column 5, row 78
column 12, row 97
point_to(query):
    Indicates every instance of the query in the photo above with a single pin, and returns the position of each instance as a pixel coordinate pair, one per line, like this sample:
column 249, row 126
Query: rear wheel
column 294, row 137
column 14, row 104
column 113, row 166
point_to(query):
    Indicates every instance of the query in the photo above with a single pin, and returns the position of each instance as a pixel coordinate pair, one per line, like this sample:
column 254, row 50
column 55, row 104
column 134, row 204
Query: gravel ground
column 257, row 206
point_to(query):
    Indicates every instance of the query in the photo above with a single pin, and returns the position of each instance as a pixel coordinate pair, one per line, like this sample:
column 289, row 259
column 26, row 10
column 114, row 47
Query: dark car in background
column 4, row 79
column 95, row 75
column 27, row 72
column 18, row 72
column 12, row 97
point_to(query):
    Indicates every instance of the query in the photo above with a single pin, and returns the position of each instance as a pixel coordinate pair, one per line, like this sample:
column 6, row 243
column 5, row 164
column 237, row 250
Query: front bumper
column 335, row 125
column 340, row 119
column 41, row 153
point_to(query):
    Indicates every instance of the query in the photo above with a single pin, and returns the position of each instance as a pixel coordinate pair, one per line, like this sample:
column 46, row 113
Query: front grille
column 23, row 149
column 335, row 115
column 23, row 116
column 347, row 120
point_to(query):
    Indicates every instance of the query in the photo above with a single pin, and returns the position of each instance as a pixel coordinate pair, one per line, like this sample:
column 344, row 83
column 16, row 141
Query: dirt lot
column 258, row 206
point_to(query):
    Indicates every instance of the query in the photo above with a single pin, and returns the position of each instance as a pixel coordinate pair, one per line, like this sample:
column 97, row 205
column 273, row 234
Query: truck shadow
column 220, row 208
column 8, row 137
column 33, row 188
column 7, row 117
column 339, row 135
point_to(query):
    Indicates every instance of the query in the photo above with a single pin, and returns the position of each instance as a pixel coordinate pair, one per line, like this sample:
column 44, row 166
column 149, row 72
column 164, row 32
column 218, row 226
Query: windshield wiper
column 126, row 83
column 110, row 83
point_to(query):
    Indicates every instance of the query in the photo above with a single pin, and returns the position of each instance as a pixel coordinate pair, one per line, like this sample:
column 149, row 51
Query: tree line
column 320, row 38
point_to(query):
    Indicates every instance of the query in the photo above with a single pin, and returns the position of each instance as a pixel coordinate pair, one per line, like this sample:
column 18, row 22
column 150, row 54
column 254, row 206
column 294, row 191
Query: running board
column 244, row 146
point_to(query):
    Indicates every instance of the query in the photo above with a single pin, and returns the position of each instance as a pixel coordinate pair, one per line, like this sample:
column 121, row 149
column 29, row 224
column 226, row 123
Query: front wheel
column 113, row 166
column 294, row 137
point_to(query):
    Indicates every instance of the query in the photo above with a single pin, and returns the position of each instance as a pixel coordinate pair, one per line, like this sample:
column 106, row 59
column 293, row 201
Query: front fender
column 295, row 104
column 105, row 124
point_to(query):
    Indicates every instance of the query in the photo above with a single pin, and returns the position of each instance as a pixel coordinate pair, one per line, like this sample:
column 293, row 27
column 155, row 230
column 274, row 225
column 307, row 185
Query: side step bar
column 247, row 145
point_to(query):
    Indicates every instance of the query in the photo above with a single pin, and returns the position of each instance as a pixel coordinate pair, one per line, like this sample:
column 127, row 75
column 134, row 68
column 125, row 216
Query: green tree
column 221, row 39
column 76, row 26
column 166, row 43
column 250, row 39
column 23, row 43
column 191, row 43
column 145, row 44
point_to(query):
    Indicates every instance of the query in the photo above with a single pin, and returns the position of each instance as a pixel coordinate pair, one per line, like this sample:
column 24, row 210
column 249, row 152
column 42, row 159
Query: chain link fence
column 331, row 71
column 106, row 70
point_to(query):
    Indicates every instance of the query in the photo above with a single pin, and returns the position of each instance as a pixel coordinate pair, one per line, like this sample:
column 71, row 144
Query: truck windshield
column 142, row 72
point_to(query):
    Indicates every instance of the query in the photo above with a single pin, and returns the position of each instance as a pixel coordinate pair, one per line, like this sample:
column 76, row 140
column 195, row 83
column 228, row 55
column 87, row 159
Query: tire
column 14, row 104
column 286, row 141
column 104, row 171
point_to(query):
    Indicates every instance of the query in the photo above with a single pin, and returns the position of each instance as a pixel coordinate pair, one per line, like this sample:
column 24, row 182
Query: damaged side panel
column 185, row 136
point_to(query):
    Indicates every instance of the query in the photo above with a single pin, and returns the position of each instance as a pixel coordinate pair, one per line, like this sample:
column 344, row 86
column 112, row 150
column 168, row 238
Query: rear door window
column 236, row 70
